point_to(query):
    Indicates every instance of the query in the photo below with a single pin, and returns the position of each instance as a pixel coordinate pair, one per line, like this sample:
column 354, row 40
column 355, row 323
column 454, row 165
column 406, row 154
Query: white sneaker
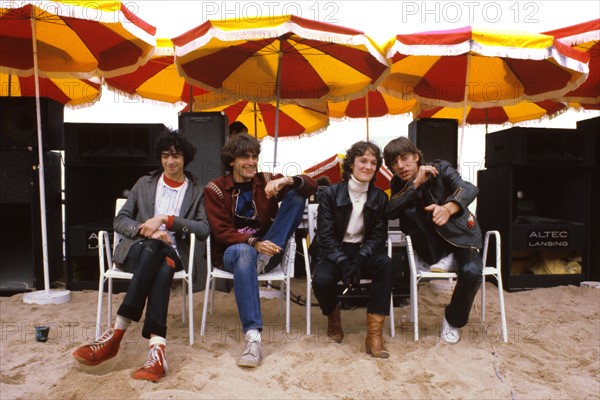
column 449, row 334
column 446, row 264
column 261, row 263
column 420, row 264
column 252, row 355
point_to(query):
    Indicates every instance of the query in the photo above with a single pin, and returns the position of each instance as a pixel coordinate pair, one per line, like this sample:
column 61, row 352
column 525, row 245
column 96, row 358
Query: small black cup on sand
column 41, row 333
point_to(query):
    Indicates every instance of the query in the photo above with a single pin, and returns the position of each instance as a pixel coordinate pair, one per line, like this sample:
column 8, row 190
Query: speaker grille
column 18, row 123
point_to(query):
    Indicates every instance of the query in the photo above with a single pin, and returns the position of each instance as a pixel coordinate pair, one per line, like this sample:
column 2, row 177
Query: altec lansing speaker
column 437, row 138
column 18, row 123
column 207, row 131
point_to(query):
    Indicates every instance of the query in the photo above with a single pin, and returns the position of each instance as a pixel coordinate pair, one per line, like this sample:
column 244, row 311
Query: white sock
column 154, row 339
column 253, row 335
column 122, row 322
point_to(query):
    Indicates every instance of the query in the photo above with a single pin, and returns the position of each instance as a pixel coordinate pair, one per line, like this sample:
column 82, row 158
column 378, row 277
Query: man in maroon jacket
column 250, row 229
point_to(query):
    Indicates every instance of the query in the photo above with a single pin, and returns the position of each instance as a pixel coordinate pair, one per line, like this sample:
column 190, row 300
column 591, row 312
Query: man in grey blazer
column 161, row 210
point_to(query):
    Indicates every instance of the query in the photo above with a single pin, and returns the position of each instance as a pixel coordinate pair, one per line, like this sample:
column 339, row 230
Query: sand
column 553, row 352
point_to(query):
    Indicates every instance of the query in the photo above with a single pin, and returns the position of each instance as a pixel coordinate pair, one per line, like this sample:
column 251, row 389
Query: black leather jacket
column 335, row 208
column 462, row 229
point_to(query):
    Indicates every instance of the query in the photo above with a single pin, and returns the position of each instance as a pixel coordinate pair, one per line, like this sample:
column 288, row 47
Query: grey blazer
column 139, row 207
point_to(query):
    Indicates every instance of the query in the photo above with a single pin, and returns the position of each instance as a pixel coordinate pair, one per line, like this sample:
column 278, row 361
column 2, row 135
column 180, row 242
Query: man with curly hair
column 351, row 237
column 161, row 210
column 249, row 228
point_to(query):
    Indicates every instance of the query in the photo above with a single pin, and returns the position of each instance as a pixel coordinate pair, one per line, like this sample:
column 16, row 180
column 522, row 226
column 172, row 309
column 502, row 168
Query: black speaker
column 545, row 231
column 22, row 265
column 102, row 163
column 437, row 138
column 207, row 131
column 592, row 127
column 539, row 146
column 111, row 144
column 18, row 123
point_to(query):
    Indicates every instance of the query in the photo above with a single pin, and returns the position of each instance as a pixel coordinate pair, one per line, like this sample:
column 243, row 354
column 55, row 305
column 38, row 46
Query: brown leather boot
column 374, row 341
column 334, row 325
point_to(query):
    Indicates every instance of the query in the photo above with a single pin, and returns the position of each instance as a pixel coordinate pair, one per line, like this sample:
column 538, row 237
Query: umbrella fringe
column 580, row 38
column 145, row 100
column 580, row 100
column 429, row 50
column 296, row 137
column 280, row 30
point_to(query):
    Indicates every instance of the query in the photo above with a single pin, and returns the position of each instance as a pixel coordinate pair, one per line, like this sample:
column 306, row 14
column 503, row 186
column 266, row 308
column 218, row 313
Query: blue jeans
column 240, row 259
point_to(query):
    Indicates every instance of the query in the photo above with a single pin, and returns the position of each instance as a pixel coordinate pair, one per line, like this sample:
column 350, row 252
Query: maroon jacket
column 219, row 205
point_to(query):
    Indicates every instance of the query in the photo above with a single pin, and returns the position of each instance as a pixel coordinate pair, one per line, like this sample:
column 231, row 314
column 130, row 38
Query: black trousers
column 469, row 269
column 152, row 277
column 378, row 267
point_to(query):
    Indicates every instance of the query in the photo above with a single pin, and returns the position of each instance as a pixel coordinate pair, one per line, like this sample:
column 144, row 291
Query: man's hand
column 150, row 227
column 425, row 171
column 441, row 214
column 273, row 187
column 267, row 247
column 352, row 277
column 162, row 235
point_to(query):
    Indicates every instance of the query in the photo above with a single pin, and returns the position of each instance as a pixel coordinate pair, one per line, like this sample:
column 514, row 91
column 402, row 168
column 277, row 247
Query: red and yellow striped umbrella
column 159, row 80
column 294, row 119
column 510, row 114
column 482, row 68
column 74, row 39
column 584, row 37
column 280, row 58
column 374, row 104
column 70, row 92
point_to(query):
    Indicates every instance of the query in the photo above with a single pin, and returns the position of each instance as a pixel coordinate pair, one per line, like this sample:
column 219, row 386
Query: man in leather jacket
column 431, row 201
column 351, row 237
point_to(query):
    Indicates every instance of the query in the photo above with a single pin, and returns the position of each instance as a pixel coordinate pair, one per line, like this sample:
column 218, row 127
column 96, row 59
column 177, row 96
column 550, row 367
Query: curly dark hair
column 356, row 150
column 237, row 127
column 398, row 147
column 173, row 139
column 237, row 146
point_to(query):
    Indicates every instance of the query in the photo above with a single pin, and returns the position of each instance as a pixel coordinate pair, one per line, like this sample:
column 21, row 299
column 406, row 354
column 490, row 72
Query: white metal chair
column 399, row 238
column 282, row 272
column 109, row 271
column 312, row 230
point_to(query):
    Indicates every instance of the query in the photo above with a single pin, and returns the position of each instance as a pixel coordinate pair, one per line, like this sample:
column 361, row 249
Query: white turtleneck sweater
column 358, row 195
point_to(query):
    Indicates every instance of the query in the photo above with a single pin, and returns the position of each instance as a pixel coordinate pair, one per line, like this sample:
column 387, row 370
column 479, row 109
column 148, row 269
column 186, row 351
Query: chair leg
column 414, row 307
column 190, row 291
column 502, row 309
column 99, row 312
column 183, row 301
column 213, row 287
column 287, row 305
column 483, row 297
column 308, row 304
column 205, row 305
column 392, row 323
column 109, row 307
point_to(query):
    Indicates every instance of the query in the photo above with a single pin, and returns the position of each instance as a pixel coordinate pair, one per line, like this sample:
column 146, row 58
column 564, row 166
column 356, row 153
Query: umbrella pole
column 367, row 109
column 255, row 122
column 277, row 100
column 40, row 160
column 464, row 116
column 42, row 297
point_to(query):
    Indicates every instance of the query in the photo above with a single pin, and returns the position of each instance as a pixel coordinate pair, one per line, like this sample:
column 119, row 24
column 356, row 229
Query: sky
column 381, row 20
